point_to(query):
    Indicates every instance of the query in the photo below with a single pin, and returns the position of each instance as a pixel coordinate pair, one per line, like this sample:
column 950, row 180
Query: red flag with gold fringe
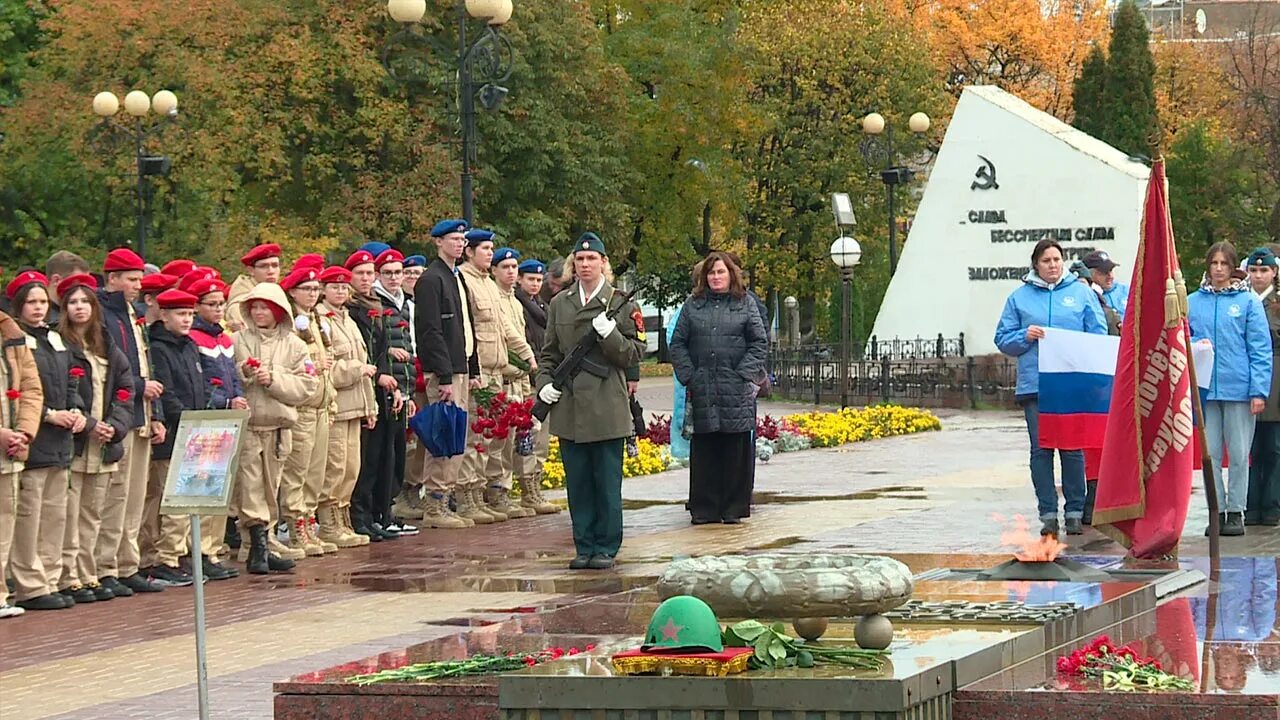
column 1144, row 482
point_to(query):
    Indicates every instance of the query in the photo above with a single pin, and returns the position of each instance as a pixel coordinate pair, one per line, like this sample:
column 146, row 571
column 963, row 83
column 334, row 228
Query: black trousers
column 382, row 459
column 721, row 476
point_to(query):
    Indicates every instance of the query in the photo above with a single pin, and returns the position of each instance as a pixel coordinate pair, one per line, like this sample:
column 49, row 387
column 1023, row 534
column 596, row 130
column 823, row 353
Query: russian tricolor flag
column 1076, row 372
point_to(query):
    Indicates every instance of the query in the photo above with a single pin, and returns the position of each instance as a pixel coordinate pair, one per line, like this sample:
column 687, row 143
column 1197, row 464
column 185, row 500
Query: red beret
column 199, row 274
column 178, row 268
column 259, row 253
column 389, row 256
column 335, row 274
column 25, row 278
column 176, row 300
column 358, row 258
column 311, row 260
column 122, row 260
column 203, row 287
column 157, row 283
column 76, row 280
column 299, row 276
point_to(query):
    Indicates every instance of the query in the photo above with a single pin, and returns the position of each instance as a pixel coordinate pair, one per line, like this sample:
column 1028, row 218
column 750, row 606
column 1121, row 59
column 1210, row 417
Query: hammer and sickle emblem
column 986, row 176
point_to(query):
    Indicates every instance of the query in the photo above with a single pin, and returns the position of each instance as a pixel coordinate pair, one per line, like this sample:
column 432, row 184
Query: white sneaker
column 8, row 611
column 403, row 528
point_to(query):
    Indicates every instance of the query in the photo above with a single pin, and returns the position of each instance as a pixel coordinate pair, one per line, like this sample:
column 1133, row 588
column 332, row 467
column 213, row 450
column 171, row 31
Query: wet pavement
column 931, row 500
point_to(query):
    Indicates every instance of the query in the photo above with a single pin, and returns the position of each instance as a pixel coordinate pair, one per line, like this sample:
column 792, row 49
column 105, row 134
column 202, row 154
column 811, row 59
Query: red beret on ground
column 389, row 256
column 358, row 258
column 122, row 260
column 178, row 268
column 25, row 278
column 299, row 276
column 260, row 253
column 335, row 274
column 310, row 260
column 176, row 300
column 157, row 283
column 203, row 287
column 76, row 280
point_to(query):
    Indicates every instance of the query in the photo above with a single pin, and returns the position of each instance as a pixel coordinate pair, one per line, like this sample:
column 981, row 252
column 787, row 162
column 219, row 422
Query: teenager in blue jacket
column 1226, row 313
column 1049, row 297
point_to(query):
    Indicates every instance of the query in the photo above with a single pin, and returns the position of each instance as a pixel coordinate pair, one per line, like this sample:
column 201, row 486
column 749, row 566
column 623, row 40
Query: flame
column 1028, row 547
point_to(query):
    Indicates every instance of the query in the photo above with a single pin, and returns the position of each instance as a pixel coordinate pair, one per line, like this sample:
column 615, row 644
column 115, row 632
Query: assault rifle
column 573, row 363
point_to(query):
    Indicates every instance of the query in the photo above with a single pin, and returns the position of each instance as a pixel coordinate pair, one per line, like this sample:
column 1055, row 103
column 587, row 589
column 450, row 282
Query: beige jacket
column 349, row 354
column 494, row 332
column 313, row 330
column 279, row 350
column 18, row 372
column 239, row 289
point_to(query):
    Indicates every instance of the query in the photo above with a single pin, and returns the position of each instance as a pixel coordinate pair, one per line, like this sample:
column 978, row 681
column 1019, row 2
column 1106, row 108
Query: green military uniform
column 593, row 416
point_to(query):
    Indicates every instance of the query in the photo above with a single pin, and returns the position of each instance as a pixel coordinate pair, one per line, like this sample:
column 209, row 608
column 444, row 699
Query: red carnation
column 216, row 382
column 331, row 314
column 140, row 322
column 387, row 312
column 77, row 372
column 404, row 324
column 13, row 394
column 373, row 314
column 124, row 395
column 253, row 363
column 480, row 447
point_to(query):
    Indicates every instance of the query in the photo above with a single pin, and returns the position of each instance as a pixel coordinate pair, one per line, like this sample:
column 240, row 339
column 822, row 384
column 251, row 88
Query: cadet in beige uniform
column 19, row 422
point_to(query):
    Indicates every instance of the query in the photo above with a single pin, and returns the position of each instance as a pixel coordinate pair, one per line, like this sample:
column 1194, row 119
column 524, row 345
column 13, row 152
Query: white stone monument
column 1007, row 174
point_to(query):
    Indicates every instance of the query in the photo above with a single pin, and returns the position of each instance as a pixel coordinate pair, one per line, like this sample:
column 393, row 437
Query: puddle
column 779, row 543
column 895, row 492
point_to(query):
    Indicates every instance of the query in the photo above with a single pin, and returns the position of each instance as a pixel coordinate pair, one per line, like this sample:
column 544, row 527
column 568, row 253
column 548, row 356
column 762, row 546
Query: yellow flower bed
column 829, row 429
column 824, row 429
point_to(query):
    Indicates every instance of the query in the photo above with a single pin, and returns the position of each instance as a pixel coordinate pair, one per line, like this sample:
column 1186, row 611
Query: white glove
column 301, row 323
column 549, row 394
column 604, row 325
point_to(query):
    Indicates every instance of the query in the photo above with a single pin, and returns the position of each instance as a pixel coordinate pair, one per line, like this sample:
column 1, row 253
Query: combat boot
column 313, row 533
column 436, row 514
column 408, row 504
column 469, row 509
column 499, row 498
column 531, row 497
column 344, row 516
column 256, row 562
column 300, row 539
column 333, row 529
column 481, row 501
column 279, row 549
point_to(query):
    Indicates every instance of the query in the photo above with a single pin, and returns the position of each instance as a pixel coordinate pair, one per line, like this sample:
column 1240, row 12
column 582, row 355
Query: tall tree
column 1088, row 95
column 20, row 36
column 1130, row 98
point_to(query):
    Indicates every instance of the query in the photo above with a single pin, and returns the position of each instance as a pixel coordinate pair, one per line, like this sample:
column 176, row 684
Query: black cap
column 1100, row 261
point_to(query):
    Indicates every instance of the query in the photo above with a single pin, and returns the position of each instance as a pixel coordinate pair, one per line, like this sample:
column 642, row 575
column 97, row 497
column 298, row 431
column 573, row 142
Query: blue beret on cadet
column 532, row 266
column 479, row 235
column 375, row 247
column 415, row 261
column 444, row 227
column 505, row 253
column 589, row 242
column 1263, row 257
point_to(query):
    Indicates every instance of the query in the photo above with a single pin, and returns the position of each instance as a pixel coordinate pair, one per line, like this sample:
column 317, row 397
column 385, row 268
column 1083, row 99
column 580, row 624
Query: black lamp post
column 879, row 151
column 482, row 67
column 138, row 106
column 846, row 253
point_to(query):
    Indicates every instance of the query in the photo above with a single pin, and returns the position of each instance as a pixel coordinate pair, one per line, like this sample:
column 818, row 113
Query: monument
column 1006, row 176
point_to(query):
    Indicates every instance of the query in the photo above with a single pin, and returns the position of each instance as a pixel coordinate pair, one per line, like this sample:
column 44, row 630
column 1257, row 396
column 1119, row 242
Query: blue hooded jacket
column 1234, row 321
column 1117, row 298
column 1067, row 304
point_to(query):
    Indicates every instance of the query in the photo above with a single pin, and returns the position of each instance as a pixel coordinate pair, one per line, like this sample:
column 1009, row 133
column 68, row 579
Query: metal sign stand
column 197, row 575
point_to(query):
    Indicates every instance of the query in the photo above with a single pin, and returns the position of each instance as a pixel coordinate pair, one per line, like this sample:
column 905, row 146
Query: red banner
column 1144, row 482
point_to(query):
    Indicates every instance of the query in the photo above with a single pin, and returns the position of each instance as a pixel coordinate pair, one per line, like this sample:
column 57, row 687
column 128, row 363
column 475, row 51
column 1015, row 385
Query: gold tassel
column 1172, row 312
column 1181, row 282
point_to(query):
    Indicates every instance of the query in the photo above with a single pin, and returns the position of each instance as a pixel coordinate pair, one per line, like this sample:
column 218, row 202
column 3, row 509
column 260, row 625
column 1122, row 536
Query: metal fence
column 899, row 349
column 812, row 374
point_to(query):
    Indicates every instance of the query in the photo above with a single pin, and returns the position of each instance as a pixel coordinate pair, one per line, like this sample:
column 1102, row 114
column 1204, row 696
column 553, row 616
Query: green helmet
column 683, row 624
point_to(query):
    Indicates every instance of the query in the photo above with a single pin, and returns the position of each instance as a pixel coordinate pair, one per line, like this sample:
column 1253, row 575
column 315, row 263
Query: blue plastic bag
column 442, row 429
column 679, row 444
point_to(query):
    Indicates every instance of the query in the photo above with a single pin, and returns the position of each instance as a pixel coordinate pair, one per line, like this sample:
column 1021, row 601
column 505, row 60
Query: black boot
column 1090, row 495
column 257, row 564
column 231, row 536
column 278, row 564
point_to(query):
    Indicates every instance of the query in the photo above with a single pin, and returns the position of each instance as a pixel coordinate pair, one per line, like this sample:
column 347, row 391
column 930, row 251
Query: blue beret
column 1263, row 257
column 479, row 235
column 505, row 253
column 532, row 266
column 415, row 261
column 375, row 248
column 589, row 242
column 444, row 227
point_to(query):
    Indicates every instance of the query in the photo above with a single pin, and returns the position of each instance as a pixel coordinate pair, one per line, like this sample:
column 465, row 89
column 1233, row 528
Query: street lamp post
column 793, row 320
column 878, row 150
column 846, row 253
column 487, row 63
column 138, row 106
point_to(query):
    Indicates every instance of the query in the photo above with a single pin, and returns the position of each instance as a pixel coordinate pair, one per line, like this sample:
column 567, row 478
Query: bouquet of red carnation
column 497, row 416
column 1119, row 668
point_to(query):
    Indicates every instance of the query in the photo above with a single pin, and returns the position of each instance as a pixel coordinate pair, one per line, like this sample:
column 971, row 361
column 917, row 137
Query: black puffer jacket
column 53, row 445
column 535, row 319
column 118, row 324
column 718, row 351
column 176, row 360
column 399, row 336
column 116, row 413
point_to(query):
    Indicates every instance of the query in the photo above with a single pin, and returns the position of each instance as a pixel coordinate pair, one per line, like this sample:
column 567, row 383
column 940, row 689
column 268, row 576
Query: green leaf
column 748, row 630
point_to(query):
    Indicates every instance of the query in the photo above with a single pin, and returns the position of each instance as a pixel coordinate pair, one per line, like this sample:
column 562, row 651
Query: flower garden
column 800, row 431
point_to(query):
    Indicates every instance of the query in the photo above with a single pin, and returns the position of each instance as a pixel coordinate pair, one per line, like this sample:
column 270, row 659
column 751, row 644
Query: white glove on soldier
column 549, row 394
column 604, row 325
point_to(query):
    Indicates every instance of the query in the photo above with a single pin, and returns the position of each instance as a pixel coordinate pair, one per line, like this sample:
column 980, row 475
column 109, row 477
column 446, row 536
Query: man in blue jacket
column 1102, row 273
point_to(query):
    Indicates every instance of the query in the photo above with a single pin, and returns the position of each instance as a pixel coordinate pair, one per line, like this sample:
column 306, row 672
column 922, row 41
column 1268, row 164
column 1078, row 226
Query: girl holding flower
column 19, row 423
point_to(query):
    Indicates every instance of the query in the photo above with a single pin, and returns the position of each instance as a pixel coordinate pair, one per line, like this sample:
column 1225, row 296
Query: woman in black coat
column 718, row 351
column 104, row 384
